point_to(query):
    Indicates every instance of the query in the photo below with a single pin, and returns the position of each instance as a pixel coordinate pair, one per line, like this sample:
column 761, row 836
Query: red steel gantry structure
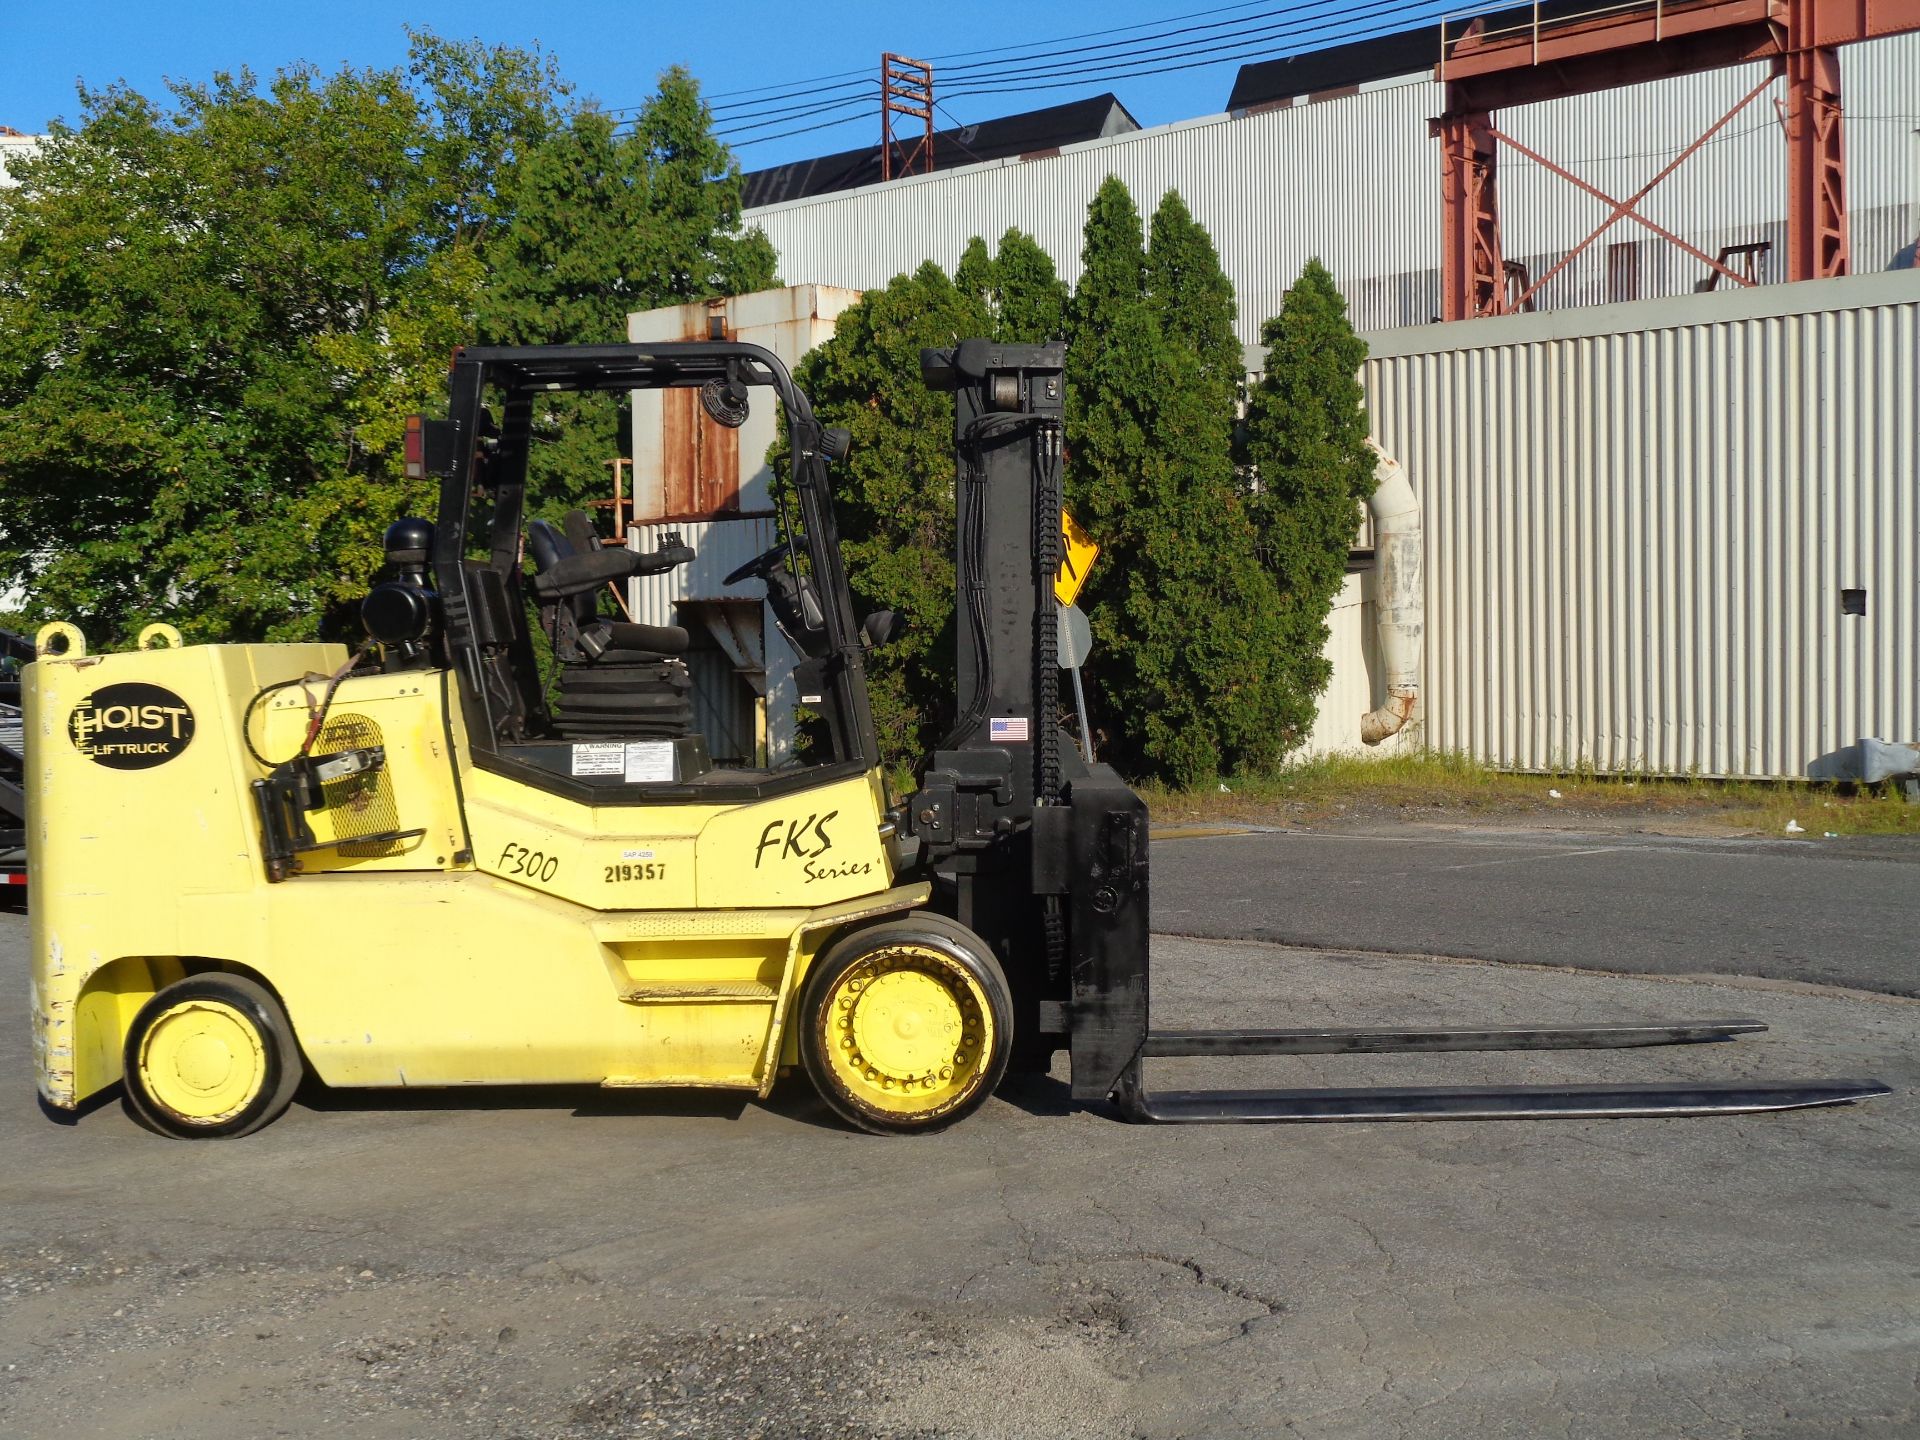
column 1518, row 57
column 906, row 88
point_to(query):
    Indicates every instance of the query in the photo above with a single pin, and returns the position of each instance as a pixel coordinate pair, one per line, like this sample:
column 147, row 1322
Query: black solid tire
column 948, row 936
column 253, row 1000
column 1030, row 1055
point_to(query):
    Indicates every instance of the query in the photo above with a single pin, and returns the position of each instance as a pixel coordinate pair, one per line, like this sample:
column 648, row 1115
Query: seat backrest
column 549, row 547
column 580, row 532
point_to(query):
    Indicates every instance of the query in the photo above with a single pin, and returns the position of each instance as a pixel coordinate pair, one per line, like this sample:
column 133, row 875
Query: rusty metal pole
column 1817, row 240
column 1473, row 270
column 886, row 116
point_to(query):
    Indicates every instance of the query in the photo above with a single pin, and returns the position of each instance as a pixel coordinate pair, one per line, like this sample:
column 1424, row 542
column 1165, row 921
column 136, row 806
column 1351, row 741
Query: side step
column 697, row 992
column 1490, row 1102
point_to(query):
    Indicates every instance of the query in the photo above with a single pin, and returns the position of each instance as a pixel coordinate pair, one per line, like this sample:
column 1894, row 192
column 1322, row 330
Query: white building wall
column 1640, row 518
column 1356, row 181
column 13, row 149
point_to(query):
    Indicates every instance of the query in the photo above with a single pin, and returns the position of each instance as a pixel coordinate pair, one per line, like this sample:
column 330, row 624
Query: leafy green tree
column 607, row 224
column 894, row 494
column 1307, row 442
column 1182, row 609
column 213, row 318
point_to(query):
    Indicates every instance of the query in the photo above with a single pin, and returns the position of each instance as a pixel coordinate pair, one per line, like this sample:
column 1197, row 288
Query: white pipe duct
column 1400, row 595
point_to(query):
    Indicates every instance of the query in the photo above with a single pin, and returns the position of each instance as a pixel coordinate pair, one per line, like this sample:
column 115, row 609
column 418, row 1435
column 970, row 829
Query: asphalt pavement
column 579, row 1265
column 1825, row 912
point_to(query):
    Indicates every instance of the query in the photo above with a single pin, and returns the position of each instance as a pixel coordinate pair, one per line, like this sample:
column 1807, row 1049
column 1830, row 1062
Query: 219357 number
column 652, row 870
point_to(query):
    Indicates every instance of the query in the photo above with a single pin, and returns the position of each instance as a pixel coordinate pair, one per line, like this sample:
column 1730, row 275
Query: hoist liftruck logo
column 131, row 726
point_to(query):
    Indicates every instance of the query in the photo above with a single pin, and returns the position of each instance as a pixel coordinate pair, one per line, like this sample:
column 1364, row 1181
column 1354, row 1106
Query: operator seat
column 618, row 679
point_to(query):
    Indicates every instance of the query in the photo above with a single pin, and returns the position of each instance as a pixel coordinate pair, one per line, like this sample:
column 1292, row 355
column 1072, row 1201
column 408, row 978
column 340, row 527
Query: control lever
column 672, row 551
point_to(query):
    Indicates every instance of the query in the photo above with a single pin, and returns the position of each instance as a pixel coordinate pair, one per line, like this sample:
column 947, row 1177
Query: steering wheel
column 759, row 567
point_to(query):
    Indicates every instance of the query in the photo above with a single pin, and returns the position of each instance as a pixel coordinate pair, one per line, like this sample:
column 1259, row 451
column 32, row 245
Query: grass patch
column 1442, row 788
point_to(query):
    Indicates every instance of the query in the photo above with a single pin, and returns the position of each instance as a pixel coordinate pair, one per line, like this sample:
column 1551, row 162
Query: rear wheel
column 906, row 1026
column 211, row 1056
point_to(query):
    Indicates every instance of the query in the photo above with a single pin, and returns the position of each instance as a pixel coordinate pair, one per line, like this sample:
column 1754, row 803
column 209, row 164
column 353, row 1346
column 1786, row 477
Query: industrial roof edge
column 1127, row 138
column 1801, row 297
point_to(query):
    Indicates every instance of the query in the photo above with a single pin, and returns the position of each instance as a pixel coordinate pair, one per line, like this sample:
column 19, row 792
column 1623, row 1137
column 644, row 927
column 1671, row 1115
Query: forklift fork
column 1110, row 1039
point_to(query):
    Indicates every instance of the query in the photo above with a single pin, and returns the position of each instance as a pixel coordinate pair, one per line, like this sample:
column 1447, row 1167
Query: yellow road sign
column 1077, row 554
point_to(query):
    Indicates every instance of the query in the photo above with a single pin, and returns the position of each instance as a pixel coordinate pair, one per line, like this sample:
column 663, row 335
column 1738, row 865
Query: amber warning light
column 416, row 448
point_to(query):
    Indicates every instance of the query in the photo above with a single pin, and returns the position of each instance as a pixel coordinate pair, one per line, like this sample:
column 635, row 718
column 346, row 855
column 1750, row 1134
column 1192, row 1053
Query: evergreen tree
column 609, row 224
column 976, row 277
column 894, row 493
column 1193, row 297
column 1183, row 611
column 1113, row 364
column 1030, row 298
column 1307, row 441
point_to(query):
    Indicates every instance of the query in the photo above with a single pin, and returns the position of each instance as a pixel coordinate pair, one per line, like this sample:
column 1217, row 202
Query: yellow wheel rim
column 204, row 1061
column 908, row 1032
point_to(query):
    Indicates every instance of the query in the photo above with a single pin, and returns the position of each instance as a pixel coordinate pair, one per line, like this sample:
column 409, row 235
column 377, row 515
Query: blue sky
column 612, row 51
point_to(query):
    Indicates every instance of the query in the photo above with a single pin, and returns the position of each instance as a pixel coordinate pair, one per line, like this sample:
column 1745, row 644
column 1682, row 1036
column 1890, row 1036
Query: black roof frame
column 491, row 675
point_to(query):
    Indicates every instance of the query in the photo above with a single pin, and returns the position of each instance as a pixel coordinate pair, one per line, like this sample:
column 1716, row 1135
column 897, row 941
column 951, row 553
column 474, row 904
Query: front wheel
column 211, row 1056
column 906, row 1025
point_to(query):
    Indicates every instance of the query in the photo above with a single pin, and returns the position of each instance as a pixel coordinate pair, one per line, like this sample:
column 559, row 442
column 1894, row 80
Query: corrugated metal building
column 1355, row 180
column 1673, row 536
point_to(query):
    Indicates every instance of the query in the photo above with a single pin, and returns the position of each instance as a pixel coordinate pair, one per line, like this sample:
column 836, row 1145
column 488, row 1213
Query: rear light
column 416, row 448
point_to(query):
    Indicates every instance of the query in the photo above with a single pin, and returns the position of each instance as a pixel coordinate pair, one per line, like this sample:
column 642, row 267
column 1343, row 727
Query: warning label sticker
column 649, row 760
column 608, row 758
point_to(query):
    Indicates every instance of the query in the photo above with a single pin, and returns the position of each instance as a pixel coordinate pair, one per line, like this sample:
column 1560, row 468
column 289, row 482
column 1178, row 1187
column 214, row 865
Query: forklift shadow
column 1045, row 1095
column 99, row 1100
column 792, row 1099
column 584, row 1102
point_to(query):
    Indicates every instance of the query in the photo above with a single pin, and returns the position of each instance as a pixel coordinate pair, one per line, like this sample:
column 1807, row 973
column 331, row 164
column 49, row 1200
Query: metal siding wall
column 1356, row 181
column 1637, row 537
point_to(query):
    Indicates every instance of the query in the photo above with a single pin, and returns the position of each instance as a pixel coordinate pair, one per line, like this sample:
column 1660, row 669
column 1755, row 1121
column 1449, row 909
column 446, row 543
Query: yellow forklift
column 419, row 864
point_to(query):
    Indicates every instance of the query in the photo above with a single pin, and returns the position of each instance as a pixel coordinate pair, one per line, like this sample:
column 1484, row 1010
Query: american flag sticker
column 1008, row 730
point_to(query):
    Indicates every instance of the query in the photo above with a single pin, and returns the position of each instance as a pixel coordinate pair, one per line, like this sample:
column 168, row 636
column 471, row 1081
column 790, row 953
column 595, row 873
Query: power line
column 1135, row 47
column 991, row 50
column 864, row 104
column 1386, row 13
column 769, row 99
column 958, row 124
column 748, row 108
column 803, row 130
